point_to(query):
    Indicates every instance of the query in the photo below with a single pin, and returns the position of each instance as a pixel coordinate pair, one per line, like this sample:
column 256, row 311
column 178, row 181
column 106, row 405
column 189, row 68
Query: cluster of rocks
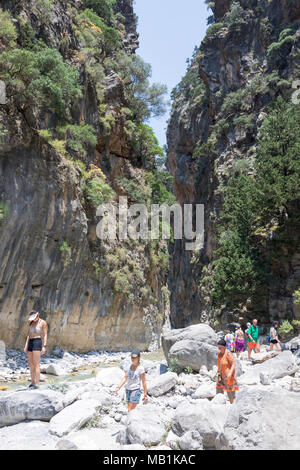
column 183, row 410
column 15, row 365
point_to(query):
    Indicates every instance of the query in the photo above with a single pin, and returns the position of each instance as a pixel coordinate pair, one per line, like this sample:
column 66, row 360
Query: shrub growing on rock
column 8, row 32
column 285, row 330
column 40, row 77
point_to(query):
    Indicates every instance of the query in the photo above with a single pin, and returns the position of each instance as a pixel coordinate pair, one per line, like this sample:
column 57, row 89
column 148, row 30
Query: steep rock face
column 231, row 57
column 51, row 259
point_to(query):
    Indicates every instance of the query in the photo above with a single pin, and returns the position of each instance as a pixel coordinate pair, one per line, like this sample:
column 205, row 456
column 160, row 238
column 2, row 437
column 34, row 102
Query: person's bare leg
column 131, row 406
column 31, row 367
column 231, row 396
column 257, row 349
column 36, row 355
column 278, row 347
column 271, row 347
column 249, row 352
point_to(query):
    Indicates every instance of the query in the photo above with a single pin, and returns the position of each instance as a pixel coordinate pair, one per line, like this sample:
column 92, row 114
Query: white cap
column 33, row 316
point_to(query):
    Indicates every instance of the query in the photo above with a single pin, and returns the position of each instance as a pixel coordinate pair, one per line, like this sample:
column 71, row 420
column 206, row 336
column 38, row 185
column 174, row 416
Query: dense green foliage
column 284, row 44
column 8, row 32
column 145, row 146
column 144, row 100
column 251, row 204
column 95, row 36
column 234, row 17
column 40, row 77
column 97, row 191
column 78, row 137
column 278, row 159
column 104, row 8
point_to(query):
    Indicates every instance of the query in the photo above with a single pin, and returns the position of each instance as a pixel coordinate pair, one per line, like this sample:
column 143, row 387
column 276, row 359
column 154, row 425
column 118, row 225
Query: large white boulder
column 262, row 420
column 191, row 440
column 279, row 366
column 110, row 376
column 54, row 369
column 146, row 425
column 201, row 332
column 162, row 384
column 194, row 354
column 207, row 419
column 193, row 346
column 73, row 417
column 89, row 439
column 28, row 435
column 206, row 390
column 103, row 397
column 29, row 405
column 259, row 358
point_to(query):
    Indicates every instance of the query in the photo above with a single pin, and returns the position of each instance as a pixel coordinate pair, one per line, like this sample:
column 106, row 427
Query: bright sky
column 169, row 30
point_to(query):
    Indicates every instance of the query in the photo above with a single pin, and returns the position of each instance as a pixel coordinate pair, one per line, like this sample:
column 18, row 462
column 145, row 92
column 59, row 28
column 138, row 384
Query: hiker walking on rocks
column 253, row 338
column 34, row 347
column 226, row 372
column 133, row 378
column 274, row 337
column 229, row 338
column 239, row 342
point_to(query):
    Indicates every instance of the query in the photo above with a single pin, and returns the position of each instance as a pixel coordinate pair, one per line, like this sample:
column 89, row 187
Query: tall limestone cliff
column 233, row 145
column 73, row 135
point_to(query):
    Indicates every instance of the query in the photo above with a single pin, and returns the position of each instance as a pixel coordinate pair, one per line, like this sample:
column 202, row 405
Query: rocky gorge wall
column 213, row 132
column 94, row 294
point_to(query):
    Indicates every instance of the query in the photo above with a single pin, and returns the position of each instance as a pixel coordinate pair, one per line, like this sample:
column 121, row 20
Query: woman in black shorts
column 274, row 337
column 34, row 346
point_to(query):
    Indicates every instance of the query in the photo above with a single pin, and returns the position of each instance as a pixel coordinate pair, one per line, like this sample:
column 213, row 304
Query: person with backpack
column 253, row 338
column 274, row 337
column 133, row 378
column 226, row 381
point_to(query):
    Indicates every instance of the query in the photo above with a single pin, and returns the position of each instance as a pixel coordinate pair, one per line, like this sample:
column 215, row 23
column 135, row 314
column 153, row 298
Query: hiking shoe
column 31, row 386
column 35, row 387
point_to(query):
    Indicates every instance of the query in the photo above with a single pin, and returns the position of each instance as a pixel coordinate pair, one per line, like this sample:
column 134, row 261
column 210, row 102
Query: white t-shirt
column 134, row 378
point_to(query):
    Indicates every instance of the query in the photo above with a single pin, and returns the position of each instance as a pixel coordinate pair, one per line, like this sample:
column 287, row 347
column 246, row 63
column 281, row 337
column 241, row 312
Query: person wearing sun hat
column 34, row 346
column 133, row 378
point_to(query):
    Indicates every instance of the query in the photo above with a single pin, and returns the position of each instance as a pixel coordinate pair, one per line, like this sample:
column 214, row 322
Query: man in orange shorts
column 253, row 338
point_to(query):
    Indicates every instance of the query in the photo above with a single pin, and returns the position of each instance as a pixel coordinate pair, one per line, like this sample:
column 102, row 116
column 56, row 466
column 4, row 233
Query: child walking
column 133, row 378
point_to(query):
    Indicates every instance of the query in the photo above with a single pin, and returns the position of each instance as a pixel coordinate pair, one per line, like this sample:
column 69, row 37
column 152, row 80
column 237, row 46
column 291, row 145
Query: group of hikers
column 236, row 343
column 135, row 374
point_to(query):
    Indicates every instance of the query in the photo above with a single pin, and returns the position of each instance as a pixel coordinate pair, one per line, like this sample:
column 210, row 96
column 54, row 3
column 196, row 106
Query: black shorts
column 35, row 344
column 274, row 341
